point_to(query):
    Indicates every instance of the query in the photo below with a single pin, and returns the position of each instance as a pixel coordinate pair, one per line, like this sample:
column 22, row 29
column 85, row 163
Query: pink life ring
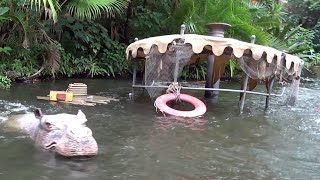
column 200, row 107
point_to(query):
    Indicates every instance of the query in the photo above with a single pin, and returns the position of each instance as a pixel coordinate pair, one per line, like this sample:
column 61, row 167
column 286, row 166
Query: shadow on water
column 136, row 142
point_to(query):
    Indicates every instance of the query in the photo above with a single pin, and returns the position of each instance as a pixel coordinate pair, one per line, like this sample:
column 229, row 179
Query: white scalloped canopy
column 217, row 45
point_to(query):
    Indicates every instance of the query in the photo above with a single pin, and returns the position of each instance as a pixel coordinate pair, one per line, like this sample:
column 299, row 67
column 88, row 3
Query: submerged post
column 291, row 100
column 269, row 90
column 209, row 94
column 134, row 75
column 216, row 30
column 245, row 85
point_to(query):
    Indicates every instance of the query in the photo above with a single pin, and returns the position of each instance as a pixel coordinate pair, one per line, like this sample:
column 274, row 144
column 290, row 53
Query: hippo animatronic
column 65, row 134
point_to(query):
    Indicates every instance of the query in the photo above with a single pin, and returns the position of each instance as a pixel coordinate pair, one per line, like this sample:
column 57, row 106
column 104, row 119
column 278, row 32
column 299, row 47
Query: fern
column 81, row 9
column 90, row 9
column 5, row 82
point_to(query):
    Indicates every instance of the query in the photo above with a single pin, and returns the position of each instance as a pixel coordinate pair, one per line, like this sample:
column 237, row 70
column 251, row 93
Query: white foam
column 6, row 108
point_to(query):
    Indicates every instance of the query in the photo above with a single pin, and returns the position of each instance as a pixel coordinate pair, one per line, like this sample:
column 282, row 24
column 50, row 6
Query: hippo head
column 65, row 134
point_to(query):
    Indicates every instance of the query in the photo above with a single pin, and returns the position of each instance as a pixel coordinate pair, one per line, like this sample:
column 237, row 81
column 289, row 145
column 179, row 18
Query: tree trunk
column 126, row 25
column 144, row 3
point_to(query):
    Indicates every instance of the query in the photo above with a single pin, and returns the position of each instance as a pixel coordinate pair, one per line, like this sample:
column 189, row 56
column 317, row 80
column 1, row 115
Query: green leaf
column 5, row 50
column 3, row 10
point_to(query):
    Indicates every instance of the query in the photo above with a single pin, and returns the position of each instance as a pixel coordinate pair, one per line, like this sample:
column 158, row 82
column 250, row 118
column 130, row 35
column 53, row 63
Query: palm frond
column 203, row 4
column 19, row 16
column 12, row 40
column 91, row 9
column 189, row 20
column 51, row 7
column 292, row 32
column 278, row 43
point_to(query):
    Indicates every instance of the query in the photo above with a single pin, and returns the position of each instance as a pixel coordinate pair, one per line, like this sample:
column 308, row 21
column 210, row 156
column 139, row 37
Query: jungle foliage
column 52, row 38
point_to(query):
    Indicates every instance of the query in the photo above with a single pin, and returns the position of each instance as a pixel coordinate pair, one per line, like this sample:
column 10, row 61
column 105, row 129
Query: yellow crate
column 61, row 96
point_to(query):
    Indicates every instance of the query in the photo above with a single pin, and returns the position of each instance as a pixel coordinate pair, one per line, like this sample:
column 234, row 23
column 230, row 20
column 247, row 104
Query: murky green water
column 137, row 143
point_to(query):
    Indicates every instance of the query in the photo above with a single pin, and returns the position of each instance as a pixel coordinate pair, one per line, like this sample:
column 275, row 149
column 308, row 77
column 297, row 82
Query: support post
column 176, row 66
column 245, row 84
column 216, row 86
column 209, row 76
column 269, row 89
column 134, row 76
column 176, row 71
column 216, row 30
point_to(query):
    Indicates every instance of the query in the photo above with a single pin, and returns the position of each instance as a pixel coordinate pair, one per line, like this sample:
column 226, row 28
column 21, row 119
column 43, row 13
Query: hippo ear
column 81, row 114
column 38, row 114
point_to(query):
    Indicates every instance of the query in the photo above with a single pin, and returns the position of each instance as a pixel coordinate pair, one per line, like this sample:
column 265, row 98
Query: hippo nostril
column 89, row 132
column 50, row 145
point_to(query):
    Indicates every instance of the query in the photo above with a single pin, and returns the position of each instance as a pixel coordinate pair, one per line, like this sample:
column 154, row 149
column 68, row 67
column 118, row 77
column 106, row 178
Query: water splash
column 7, row 108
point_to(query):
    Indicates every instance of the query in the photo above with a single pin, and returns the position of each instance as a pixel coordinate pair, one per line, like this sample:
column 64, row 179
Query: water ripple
column 135, row 142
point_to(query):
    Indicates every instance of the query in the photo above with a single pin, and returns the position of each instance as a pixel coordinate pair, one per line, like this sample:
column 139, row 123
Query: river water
column 135, row 142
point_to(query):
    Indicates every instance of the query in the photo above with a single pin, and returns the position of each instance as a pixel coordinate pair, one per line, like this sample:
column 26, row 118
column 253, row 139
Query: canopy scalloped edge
column 217, row 44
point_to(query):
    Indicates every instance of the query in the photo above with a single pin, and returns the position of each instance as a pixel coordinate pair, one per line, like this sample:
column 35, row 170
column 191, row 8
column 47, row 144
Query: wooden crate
column 78, row 89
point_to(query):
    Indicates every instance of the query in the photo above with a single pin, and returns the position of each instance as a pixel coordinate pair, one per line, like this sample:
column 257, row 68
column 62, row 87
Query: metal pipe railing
column 215, row 89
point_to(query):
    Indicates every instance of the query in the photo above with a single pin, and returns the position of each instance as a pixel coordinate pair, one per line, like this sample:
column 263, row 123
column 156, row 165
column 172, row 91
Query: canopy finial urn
column 217, row 29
